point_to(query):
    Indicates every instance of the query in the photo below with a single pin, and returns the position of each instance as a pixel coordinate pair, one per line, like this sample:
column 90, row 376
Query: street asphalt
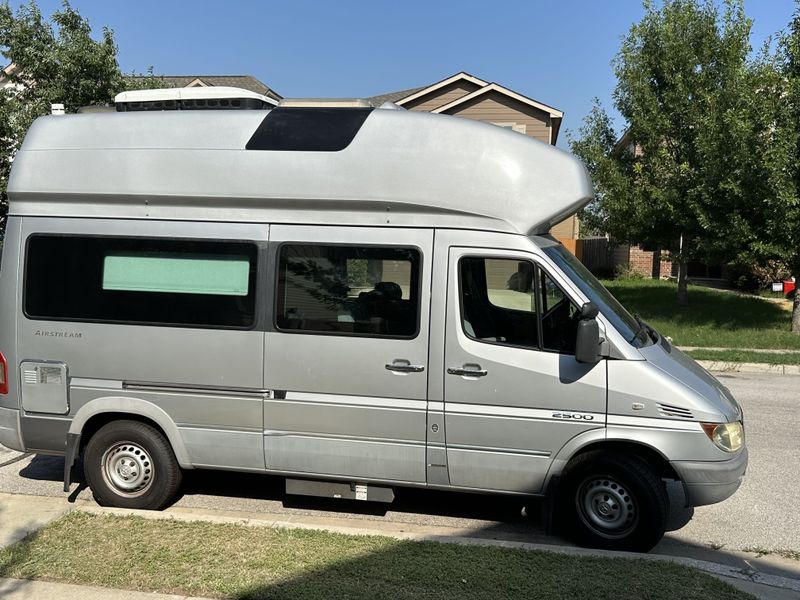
column 762, row 518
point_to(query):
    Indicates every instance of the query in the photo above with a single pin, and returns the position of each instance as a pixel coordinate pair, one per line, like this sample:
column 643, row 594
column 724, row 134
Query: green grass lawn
column 713, row 318
column 235, row 561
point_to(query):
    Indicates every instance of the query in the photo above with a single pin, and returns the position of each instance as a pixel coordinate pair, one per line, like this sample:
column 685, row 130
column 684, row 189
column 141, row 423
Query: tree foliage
column 55, row 61
column 685, row 90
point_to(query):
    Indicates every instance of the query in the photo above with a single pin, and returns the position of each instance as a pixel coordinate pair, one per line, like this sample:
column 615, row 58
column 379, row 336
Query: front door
column 514, row 393
column 346, row 357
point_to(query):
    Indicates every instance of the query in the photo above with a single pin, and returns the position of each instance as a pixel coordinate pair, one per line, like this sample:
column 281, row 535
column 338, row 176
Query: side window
column 348, row 290
column 197, row 283
column 559, row 317
column 513, row 302
column 498, row 303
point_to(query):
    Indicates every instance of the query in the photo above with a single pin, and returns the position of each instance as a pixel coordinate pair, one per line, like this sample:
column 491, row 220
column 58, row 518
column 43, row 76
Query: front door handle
column 464, row 372
column 404, row 366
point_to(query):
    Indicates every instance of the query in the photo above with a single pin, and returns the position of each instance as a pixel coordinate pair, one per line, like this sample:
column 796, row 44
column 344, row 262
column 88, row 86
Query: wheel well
column 652, row 457
column 97, row 421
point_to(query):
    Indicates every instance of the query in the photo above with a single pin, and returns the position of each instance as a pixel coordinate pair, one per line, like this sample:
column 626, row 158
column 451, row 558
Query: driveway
column 763, row 516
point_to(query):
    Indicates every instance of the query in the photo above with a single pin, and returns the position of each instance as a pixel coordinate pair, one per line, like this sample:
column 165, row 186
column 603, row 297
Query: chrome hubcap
column 607, row 507
column 127, row 469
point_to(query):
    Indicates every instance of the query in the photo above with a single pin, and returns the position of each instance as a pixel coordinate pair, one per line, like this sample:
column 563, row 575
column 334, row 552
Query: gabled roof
column 484, row 87
column 419, row 92
column 392, row 96
column 494, row 87
column 246, row 82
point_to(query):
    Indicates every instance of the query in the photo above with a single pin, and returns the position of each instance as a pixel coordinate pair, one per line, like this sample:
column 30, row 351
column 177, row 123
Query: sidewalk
column 19, row 513
column 24, row 589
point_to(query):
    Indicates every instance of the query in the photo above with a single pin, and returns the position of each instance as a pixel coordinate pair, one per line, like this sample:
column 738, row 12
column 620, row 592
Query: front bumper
column 711, row 482
column 9, row 429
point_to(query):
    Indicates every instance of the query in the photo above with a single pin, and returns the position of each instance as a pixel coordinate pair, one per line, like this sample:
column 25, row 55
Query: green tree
column 684, row 89
column 780, row 212
column 55, row 61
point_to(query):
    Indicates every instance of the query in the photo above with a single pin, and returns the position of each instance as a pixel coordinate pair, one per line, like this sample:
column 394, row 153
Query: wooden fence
column 597, row 254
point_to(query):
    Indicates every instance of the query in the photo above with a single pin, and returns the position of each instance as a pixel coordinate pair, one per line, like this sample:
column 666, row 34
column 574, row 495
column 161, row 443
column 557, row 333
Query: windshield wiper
column 644, row 327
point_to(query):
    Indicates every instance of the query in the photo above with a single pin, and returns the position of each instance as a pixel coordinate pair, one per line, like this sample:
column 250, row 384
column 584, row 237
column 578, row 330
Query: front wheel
column 129, row 464
column 614, row 502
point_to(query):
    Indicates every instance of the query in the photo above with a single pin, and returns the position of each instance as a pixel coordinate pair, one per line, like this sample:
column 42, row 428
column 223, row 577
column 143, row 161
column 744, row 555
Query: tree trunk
column 683, row 280
column 796, row 306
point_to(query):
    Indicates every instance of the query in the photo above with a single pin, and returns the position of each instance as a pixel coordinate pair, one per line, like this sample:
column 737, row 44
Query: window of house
column 141, row 280
column 348, row 290
column 518, row 127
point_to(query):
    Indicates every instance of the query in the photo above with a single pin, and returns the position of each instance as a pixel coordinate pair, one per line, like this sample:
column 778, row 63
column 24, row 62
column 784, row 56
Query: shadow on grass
column 412, row 570
column 656, row 300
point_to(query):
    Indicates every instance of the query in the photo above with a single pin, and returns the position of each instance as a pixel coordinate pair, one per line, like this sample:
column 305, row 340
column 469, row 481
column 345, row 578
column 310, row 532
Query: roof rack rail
column 324, row 103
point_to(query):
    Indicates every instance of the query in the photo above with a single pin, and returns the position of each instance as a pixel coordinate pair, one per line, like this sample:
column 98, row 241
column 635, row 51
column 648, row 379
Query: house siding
column 442, row 96
column 495, row 107
column 566, row 230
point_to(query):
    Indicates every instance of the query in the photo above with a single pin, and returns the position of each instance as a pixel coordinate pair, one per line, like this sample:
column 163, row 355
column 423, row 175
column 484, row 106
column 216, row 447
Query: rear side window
column 141, row 280
column 348, row 290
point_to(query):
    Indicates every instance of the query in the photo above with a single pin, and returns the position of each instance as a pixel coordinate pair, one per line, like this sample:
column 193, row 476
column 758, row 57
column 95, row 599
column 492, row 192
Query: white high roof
column 402, row 168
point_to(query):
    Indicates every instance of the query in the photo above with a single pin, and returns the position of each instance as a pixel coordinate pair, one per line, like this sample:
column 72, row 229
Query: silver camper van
column 356, row 299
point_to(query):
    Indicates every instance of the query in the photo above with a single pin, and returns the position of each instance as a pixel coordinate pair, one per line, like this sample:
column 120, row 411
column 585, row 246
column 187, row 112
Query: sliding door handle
column 464, row 372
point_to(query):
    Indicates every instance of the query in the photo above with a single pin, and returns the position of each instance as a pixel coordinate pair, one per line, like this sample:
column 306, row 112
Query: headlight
column 726, row 436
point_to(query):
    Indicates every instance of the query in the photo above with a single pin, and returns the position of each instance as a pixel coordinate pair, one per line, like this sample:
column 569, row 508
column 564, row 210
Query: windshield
column 609, row 306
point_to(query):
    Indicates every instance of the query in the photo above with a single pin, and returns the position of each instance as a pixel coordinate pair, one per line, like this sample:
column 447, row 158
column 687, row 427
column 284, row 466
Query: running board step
column 336, row 489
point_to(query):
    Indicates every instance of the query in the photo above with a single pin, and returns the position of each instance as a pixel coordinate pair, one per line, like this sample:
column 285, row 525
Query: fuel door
column 44, row 387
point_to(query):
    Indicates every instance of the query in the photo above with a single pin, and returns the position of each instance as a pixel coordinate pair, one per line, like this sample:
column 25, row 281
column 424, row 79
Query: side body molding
column 132, row 406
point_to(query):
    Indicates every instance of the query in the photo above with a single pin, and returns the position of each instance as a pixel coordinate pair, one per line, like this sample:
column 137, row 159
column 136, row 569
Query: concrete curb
column 761, row 368
column 766, row 351
column 448, row 535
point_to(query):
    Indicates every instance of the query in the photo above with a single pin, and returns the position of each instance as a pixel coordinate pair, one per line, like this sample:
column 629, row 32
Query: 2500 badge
column 573, row 416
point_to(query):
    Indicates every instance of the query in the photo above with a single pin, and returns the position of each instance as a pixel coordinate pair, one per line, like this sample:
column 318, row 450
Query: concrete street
column 762, row 518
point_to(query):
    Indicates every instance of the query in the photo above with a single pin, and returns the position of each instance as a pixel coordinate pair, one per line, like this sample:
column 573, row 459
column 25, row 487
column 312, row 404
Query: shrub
column 627, row 272
column 757, row 276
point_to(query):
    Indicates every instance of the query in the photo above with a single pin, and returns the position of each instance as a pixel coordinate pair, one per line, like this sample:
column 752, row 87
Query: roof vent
column 195, row 98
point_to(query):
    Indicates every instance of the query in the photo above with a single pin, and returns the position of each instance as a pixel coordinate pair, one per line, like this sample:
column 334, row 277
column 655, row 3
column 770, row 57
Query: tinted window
column 498, row 302
column 609, row 306
column 308, row 129
column 348, row 290
column 140, row 280
column 559, row 317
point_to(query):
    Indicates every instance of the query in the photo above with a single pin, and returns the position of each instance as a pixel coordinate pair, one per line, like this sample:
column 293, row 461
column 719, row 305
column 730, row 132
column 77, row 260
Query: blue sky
column 557, row 52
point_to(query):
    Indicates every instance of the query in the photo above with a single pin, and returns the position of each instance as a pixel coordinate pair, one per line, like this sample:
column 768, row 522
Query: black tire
column 612, row 501
column 129, row 464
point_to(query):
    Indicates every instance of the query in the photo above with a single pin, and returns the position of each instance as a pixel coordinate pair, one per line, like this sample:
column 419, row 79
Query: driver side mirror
column 587, row 344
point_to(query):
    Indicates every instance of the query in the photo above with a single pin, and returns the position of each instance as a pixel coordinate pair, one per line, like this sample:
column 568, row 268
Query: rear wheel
column 614, row 502
column 130, row 464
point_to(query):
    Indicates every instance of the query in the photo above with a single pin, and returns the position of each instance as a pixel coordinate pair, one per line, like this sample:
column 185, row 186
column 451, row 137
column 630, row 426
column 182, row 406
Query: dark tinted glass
column 139, row 280
column 348, row 290
column 498, row 302
column 559, row 318
column 308, row 129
